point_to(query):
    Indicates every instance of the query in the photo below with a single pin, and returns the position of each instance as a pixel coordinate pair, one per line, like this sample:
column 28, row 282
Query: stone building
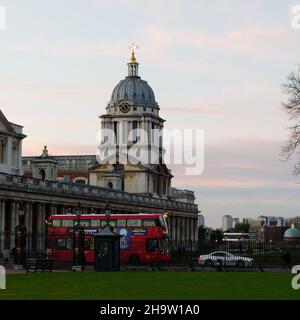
column 52, row 184
column 132, row 160
column 11, row 136
column 68, row 168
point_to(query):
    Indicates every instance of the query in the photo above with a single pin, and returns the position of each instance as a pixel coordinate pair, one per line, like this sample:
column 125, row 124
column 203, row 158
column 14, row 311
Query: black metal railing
column 193, row 254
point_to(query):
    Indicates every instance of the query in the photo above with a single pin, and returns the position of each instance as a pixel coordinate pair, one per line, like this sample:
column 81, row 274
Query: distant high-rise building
column 201, row 220
column 227, row 222
column 235, row 221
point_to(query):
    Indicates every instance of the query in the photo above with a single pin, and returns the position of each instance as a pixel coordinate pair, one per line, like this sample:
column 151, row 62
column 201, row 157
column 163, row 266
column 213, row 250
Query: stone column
column 2, row 224
column 43, row 218
column 189, row 228
column 53, row 209
column 179, row 228
column 2, row 216
column 13, row 222
column 195, row 228
column 183, row 228
column 169, row 222
column 28, row 216
column 41, row 215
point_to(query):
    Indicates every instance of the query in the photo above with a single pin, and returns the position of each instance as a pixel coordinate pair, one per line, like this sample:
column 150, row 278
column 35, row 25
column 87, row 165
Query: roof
column 292, row 232
column 133, row 89
column 64, row 157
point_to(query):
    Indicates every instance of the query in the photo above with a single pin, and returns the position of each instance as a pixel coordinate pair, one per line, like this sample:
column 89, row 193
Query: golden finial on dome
column 133, row 47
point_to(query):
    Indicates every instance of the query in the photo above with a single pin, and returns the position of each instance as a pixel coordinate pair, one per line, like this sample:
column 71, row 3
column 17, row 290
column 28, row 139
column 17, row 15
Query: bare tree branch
column 292, row 107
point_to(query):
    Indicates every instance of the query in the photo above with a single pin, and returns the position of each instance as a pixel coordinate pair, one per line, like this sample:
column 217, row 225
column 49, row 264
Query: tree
column 201, row 233
column 241, row 227
column 292, row 107
column 216, row 235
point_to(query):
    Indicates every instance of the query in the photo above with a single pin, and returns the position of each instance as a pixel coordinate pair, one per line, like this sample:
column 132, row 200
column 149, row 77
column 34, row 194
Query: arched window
column 110, row 185
column 42, row 174
column 80, row 181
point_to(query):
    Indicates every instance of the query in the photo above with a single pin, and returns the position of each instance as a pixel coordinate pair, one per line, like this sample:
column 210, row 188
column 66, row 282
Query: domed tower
column 130, row 156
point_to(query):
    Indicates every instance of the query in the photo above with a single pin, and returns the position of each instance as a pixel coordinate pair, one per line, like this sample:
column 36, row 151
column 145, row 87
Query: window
column 65, row 243
column 152, row 245
column 42, row 174
column 89, row 244
column 80, row 181
column 149, row 223
column 219, row 254
column 121, row 222
column 84, row 223
column 56, row 223
column 110, row 185
column 134, row 131
column 2, row 150
column 143, row 96
column 134, row 108
column 134, row 222
column 145, row 109
column 95, row 223
column 67, row 223
column 112, row 223
column 14, row 155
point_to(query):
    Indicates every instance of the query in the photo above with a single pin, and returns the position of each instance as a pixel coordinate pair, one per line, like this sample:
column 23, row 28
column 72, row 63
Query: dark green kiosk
column 107, row 247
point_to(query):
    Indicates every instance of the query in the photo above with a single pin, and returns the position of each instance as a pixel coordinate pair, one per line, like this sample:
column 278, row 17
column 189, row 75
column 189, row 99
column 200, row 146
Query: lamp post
column 78, row 212
column 78, row 242
column 107, row 211
column 21, row 213
column 20, row 240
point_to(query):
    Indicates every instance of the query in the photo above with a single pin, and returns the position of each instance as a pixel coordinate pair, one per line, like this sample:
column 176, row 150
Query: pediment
column 4, row 124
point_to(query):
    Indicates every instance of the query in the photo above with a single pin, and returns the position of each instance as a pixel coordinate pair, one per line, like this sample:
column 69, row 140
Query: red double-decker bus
column 143, row 238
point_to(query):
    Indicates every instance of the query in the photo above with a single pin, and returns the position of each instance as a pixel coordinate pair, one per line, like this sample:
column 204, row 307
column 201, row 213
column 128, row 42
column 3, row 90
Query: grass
column 149, row 285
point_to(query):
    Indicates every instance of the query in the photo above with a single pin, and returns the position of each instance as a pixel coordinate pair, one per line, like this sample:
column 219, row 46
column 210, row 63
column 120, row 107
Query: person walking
column 6, row 256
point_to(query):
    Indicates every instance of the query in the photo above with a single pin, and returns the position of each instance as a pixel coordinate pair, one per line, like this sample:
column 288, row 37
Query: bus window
column 95, row 223
column 89, row 244
column 121, row 222
column 85, row 223
column 67, row 223
column 111, row 222
column 152, row 245
column 56, row 223
column 149, row 223
column 134, row 223
column 65, row 243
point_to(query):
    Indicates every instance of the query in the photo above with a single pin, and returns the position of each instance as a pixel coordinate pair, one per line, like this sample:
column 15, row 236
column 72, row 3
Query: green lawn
column 150, row 285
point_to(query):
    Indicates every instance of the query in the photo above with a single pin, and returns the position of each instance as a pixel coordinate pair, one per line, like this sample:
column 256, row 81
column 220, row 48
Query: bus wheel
column 134, row 260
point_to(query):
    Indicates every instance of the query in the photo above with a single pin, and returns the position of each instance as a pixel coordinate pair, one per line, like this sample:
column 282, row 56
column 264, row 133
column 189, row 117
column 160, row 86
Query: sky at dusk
column 213, row 65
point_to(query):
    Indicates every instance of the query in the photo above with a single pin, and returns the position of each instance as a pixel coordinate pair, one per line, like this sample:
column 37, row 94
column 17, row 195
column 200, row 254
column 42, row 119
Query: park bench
column 39, row 264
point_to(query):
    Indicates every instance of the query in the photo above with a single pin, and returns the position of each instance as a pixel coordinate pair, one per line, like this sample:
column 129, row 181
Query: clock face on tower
column 124, row 107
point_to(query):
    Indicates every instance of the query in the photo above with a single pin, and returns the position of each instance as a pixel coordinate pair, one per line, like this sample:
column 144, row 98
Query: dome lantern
column 133, row 89
column 133, row 66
